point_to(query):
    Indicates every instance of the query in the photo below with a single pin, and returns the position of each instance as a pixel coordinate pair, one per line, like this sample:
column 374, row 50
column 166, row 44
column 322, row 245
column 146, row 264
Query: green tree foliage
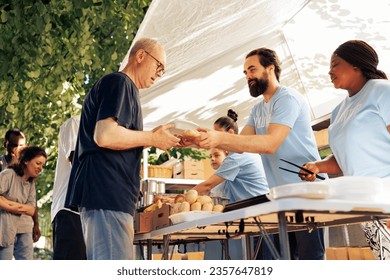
column 51, row 53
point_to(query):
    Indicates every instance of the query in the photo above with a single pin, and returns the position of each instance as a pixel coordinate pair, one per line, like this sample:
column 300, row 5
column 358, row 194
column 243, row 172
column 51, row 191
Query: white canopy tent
column 206, row 43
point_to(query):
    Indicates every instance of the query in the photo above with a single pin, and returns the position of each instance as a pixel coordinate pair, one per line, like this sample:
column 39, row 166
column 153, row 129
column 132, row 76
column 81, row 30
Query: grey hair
column 147, row 44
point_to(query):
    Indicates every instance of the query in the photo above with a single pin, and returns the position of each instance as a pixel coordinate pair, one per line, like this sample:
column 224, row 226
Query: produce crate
column 146, row 222
column 193, row 169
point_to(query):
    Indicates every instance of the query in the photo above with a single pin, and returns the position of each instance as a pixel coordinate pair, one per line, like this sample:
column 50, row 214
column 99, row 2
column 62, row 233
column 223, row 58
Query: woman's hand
column 16, row 207
column 202, row 189
column 36, row 232
column 306, row 176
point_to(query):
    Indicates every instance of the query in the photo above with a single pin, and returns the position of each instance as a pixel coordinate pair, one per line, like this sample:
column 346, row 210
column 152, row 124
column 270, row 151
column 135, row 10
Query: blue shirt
column 103, row 178
column 358, row 134
column 287, row 107
column 244, row 176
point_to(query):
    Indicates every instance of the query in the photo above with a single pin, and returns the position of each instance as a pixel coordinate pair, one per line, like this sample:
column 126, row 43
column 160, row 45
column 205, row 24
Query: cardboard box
column 337, row 253
column 146, row 222
column 357, row 253
column 349, row 253
column 193, row 169
column 208, row 169
column 161, row 217
column 321, row 138
column 143, row 222
column 178, row 171
column 190, row 164
column 186, row 256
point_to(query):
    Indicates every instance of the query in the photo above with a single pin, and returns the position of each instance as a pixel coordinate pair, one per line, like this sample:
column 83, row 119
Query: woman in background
column 359, row 131
column 18, row 197
column 14, row 141
column 242, row 174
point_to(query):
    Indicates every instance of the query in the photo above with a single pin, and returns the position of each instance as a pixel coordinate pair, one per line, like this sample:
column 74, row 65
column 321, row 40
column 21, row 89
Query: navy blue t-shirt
column 103, row 178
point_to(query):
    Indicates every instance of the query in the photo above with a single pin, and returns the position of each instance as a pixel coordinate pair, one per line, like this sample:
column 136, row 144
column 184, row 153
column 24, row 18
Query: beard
column 259, row 87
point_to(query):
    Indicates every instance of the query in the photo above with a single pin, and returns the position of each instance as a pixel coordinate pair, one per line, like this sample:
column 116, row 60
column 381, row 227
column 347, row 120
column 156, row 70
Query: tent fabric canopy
column 206, row 43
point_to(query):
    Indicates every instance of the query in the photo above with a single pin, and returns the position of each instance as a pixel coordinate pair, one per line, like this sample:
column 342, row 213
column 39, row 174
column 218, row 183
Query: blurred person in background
column 68, row 240
column 18, row 197
column 14, row 143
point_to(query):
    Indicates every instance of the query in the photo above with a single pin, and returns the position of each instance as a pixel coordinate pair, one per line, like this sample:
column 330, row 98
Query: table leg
column 149, row 249
column 165, row 246
column 248, row 247
column 283, row 237
column 226, row 249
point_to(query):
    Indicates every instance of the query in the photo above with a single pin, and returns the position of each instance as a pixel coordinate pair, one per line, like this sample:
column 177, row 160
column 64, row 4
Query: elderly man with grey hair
column 104, row 181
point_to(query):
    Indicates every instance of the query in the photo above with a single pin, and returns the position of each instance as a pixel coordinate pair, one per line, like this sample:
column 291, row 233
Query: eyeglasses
column 160, row 67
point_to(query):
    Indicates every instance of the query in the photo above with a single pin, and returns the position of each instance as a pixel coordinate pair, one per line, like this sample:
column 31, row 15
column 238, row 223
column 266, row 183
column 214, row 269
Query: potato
column 184, row 207
column 191, row 196
column 204, row 199
column 207, row 206
column 196, row 206
column 218, row 208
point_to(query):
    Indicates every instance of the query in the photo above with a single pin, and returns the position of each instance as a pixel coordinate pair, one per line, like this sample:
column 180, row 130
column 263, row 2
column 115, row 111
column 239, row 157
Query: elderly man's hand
column 163, row 138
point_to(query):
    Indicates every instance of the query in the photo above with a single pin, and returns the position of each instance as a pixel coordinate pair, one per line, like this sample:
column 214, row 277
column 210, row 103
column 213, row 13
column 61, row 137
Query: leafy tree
column 51, row 53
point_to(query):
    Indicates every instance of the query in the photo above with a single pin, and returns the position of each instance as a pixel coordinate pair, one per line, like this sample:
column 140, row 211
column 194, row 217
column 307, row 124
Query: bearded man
column 278, row 128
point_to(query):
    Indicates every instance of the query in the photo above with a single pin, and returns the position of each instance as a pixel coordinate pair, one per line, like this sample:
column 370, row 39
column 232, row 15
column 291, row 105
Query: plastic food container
column 182, row 125
column 190, row 216
column 356, row 188
column 313, row 190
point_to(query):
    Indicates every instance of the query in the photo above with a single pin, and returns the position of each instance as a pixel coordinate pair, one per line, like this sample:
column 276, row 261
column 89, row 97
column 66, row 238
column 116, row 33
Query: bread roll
column 207, row 206
column 180, row 198
column 191, row 133
column 204, row 199
column 191, row 196
column 196, row 206
column 218, row 208
column 184, row 207
column 175, row 208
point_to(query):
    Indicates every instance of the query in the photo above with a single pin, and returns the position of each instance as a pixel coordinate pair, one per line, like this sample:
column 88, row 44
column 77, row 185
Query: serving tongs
column 296, row 172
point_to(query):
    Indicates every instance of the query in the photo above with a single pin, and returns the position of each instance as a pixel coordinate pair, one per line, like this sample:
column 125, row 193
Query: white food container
column 182, row 125
column 190, row 216
column 313, row 190
column 355, row 188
